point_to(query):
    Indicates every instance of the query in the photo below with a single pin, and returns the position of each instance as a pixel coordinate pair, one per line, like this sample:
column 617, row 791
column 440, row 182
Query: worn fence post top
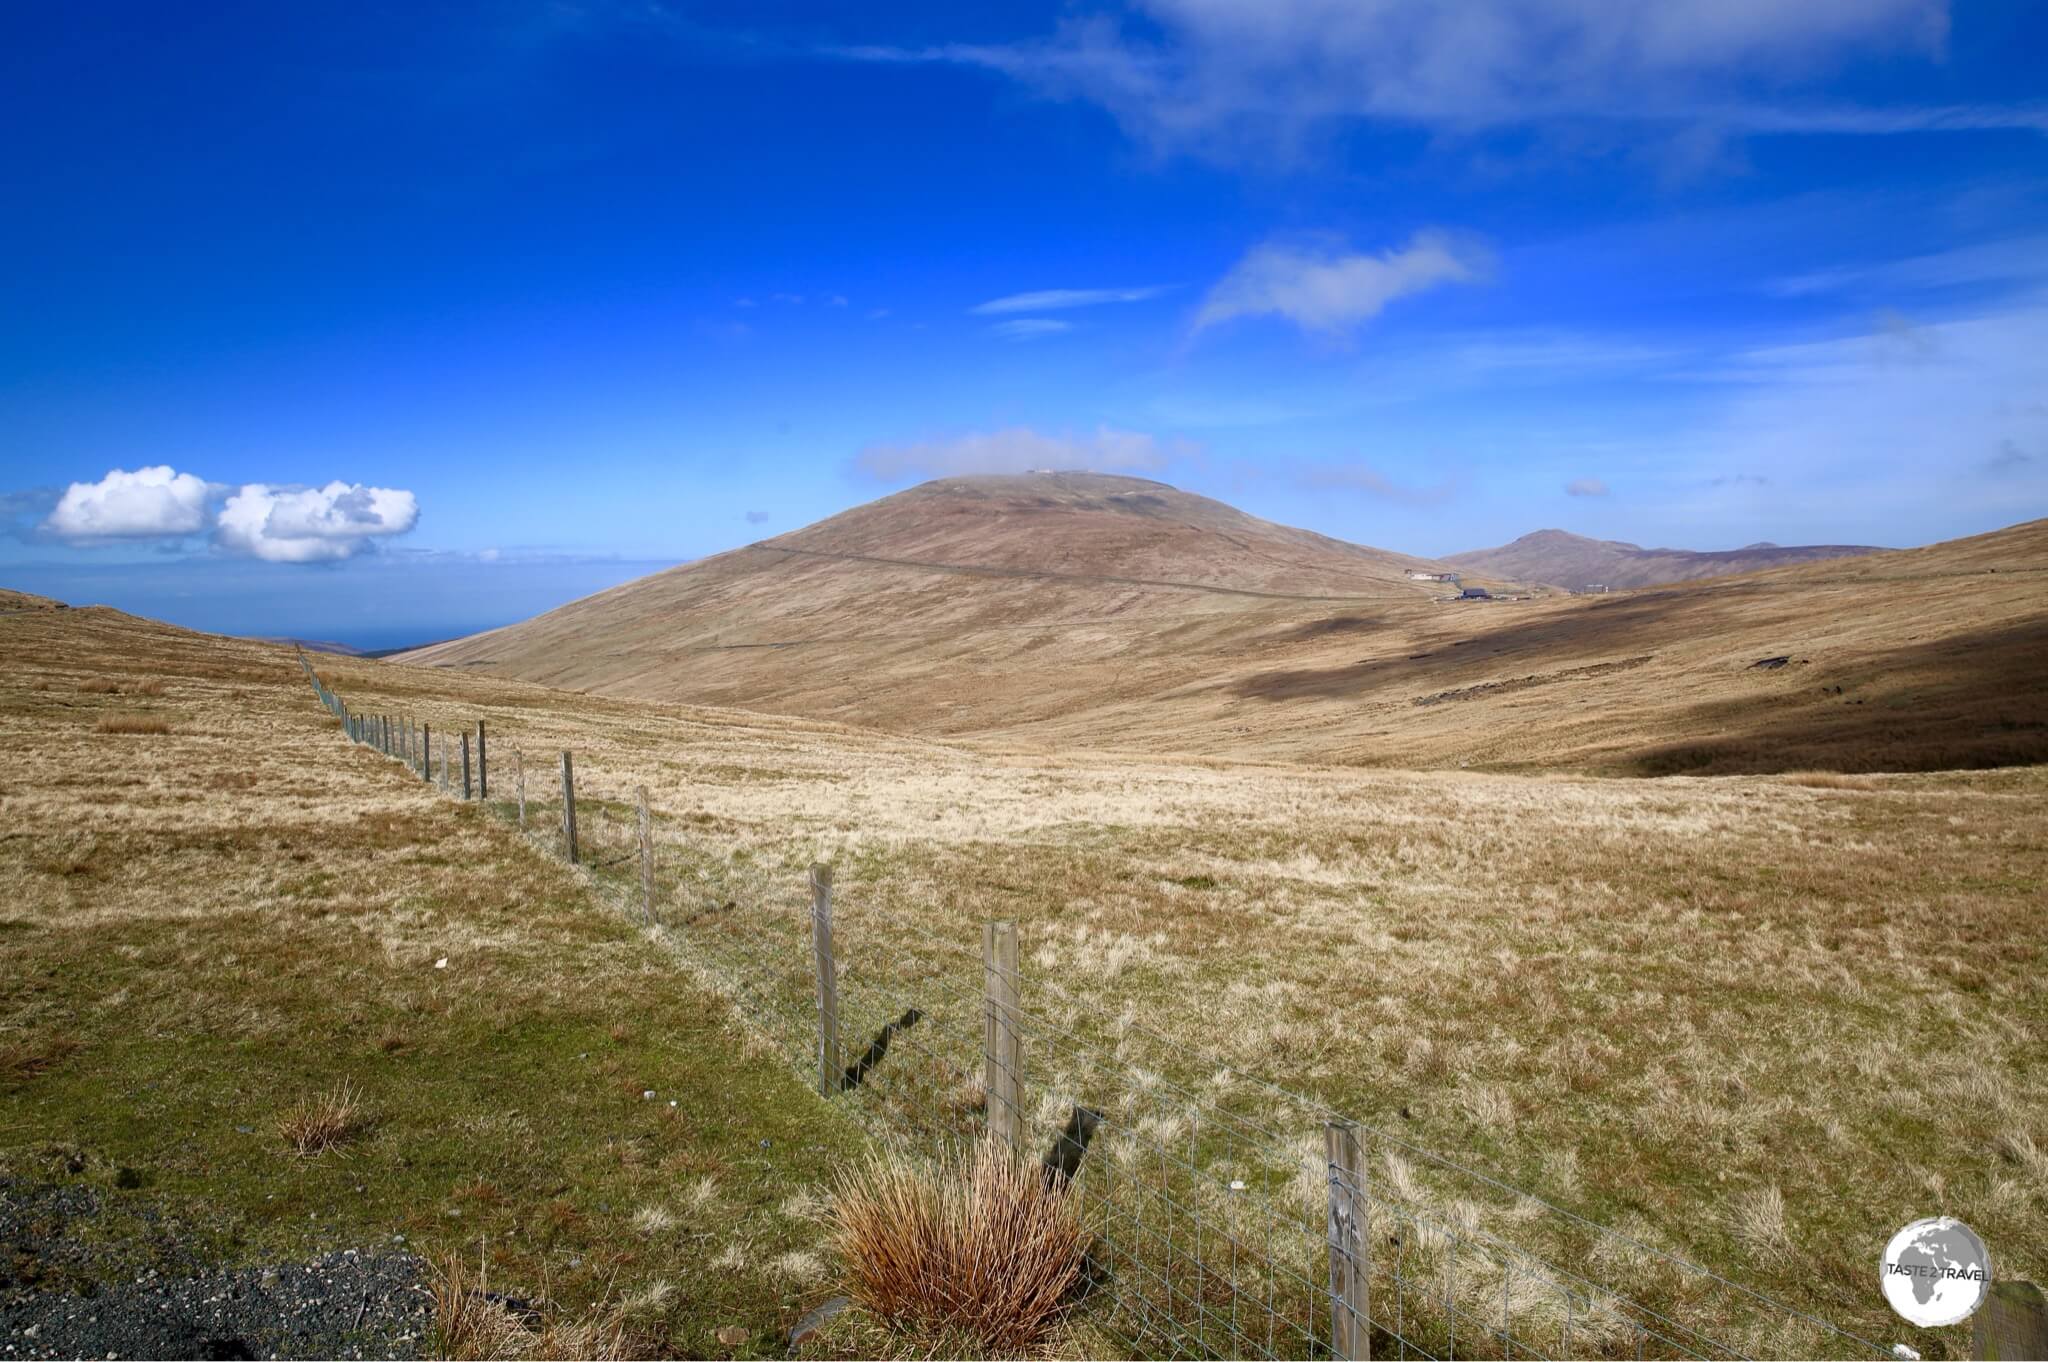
column 821, row 875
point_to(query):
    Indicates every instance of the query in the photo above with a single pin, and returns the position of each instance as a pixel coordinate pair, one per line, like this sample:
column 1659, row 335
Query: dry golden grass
column 138, row 725
column 318, row 1125
column 23, row 1057
column 204, row 925
column 1832, row 780
column 471, row 1324
column 1021, row 610
column 980, row 1248
column 1651, row 1001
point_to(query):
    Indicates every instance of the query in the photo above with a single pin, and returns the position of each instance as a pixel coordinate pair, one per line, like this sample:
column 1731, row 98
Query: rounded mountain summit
column 1087, row 609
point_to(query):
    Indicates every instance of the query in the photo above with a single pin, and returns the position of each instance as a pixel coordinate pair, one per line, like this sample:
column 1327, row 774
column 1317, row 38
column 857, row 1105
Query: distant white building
column 1432, row 576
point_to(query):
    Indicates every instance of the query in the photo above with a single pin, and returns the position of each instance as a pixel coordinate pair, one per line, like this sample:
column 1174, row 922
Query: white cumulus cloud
column 312, row 524
column 149, row 503
column 1320, row 286
column 1018, row 449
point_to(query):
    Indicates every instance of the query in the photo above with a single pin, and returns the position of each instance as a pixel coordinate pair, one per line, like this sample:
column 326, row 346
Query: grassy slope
column 1926, row 659
column 202, row 928
column 1659, row 1002
column 1574, row 562
column 1762, row 1021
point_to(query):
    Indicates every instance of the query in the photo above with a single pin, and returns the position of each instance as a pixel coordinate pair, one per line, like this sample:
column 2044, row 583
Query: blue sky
column 383, row 322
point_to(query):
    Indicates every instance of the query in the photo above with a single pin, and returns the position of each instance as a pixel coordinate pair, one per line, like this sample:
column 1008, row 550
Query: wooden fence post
column 483, row 765
column 465, row 765
column 646, row 857
column 519, row 782
column 568, row 806
column 426, row 751
column 2012, row 1323
column 1350, row 1330
column 829, row 1067
column 1002, row 1050
column 444, row 763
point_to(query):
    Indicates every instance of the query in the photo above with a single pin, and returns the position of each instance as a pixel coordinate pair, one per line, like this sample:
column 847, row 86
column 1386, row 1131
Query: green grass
column 171, row 1000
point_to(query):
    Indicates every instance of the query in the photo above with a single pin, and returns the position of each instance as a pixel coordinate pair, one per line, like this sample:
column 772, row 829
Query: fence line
column 1230, row 1218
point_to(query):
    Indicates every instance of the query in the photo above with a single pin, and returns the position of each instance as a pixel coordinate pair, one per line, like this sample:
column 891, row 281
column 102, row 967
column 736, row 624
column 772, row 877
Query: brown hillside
column 1575, row 563
column 12, row 602
column 1080, row 611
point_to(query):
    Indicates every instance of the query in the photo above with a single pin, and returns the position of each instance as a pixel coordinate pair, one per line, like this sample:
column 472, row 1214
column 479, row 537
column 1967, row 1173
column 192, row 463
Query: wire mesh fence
column 1230, row 1216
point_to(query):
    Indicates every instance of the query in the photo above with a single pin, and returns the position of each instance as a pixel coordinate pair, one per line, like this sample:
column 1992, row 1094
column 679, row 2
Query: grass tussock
column 1833, row 780
column 23, row 1057
column 471, row 1322
column 1758, row 1219
column 107, row 685
column 314, row 1125
column 984, row 1250
column 135, row 724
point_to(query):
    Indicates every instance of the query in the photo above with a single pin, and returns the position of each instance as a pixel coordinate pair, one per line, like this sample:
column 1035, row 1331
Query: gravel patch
column 345, row 1304
column 65, row 1294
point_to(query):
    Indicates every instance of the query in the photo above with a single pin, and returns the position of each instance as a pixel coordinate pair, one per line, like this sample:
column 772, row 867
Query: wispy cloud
column 2010, row 458
column 22, row 513
column 2012, row 261
column 1362, row 477
column 1060, row 299
column 1020, row 449
column 1245, row 78
column 1320, row 285
column 1585, row 487
column 1880, row 426
column 757, row 517
column 1030, row 328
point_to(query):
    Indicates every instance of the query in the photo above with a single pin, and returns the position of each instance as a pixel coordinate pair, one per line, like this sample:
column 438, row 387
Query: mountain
column 13, row 602
column 942, row 581
column 1555, row 558
column 1073, row 610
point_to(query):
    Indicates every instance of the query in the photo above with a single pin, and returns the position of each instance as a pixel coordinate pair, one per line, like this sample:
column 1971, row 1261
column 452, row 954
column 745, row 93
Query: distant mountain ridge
column 1576, row 563
column 1070, row 609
